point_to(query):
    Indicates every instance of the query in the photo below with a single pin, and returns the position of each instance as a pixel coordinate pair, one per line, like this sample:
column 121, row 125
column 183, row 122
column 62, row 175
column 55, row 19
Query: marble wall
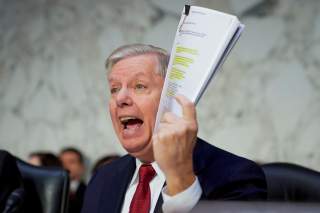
column 264, row 104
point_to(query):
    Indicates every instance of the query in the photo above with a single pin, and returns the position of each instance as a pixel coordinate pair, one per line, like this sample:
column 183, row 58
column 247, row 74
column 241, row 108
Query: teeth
column 122, row 119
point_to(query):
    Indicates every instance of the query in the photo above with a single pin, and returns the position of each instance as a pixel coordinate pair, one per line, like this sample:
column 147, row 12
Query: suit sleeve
column 245, row 182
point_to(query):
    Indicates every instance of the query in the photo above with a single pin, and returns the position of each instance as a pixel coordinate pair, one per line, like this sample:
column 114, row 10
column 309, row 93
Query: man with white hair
column 168, row 170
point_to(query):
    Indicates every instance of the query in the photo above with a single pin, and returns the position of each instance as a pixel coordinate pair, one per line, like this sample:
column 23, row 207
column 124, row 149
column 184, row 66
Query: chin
column 139, row 149
column 133, row 145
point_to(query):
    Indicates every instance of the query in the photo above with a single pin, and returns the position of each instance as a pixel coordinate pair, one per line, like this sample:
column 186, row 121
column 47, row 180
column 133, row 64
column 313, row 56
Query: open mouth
column 130, row 122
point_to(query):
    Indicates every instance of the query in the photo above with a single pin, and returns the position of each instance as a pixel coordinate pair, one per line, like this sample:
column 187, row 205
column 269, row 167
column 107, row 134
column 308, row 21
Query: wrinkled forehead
column 135, row 66
column 143, row 59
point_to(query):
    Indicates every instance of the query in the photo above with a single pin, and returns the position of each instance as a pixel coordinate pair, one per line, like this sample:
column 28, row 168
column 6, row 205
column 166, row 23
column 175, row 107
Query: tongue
column 132, row 128
column 134, row 124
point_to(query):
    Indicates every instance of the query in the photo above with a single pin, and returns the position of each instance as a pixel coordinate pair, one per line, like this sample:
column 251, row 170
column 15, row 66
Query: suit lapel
column 115, row 187
column 158, row 208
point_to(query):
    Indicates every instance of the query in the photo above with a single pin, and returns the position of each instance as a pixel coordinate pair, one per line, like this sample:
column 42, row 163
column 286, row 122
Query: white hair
column 130, row 50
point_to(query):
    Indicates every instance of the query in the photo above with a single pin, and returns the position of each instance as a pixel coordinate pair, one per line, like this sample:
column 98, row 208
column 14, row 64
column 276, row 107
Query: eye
column 114, row 90
column 140, row 87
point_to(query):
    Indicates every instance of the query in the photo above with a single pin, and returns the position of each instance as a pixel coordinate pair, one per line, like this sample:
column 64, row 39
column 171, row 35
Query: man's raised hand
column 173, row 146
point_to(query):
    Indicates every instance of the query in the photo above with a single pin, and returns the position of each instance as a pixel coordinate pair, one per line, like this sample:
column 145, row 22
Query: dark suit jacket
column 76, row 199
column 222, row 176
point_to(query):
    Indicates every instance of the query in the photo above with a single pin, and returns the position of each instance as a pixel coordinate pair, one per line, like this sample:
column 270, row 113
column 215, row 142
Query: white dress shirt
column 181, row 202
column 74, row 184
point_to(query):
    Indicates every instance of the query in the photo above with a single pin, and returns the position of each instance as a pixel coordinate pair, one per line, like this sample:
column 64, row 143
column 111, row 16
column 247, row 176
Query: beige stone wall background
column 264, row 104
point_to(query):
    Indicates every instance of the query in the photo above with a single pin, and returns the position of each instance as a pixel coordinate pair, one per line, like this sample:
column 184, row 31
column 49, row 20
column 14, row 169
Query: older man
column 168, row 170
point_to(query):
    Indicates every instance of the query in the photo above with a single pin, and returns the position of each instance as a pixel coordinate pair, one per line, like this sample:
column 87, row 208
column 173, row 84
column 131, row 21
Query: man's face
column 135, row 93
column 71, row 162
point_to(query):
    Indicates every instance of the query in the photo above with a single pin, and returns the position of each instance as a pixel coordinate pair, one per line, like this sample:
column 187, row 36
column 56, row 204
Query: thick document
column 203, row 40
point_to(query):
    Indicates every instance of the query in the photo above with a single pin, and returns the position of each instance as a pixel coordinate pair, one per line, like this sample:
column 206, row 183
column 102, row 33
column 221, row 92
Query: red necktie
column 142, row 197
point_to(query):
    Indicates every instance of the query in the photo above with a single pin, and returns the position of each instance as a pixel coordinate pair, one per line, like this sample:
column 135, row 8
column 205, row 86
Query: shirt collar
column 154, row 165
column 74, row 185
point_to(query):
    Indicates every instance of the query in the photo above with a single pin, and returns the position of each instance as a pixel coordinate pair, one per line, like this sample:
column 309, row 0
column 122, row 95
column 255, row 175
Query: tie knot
column 146, row 173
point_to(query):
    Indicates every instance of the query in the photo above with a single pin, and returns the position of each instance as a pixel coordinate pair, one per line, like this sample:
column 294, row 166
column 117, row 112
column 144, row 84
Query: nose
column 123, row 98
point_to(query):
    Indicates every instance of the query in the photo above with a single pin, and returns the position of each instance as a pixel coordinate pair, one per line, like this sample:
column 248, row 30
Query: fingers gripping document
column 203, row 40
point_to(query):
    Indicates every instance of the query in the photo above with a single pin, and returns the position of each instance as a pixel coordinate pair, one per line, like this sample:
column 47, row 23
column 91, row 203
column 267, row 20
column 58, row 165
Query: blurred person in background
column 44, row 159
column 73, row 160
column 103, row 161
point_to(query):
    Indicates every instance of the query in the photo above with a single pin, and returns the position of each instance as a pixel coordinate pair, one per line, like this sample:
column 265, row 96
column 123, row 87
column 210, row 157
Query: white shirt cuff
column 183, row 201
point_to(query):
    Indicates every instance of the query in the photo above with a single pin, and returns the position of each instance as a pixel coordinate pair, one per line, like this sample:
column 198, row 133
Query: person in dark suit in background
column 73, row 161
column 168, row 170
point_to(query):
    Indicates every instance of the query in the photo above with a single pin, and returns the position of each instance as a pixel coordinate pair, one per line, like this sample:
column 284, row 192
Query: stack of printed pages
column 203, row 40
